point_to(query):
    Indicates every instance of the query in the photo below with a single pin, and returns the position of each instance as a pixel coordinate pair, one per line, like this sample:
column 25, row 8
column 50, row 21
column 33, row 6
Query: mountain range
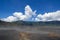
column 30, row 23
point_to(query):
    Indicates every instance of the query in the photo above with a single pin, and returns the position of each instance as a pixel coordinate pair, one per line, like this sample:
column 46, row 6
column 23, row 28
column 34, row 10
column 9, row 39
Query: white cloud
column 52, row 16
column 19, row 15
column 32, row 16
column 9, row 19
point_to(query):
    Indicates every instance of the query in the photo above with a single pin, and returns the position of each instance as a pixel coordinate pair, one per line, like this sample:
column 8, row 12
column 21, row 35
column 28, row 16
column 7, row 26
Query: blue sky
column 8, row 7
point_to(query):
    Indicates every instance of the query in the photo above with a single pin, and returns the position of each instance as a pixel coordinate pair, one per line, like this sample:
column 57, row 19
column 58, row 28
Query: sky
column 36, row 10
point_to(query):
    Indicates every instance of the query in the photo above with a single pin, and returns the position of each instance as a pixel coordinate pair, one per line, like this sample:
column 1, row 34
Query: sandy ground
column 42, row 33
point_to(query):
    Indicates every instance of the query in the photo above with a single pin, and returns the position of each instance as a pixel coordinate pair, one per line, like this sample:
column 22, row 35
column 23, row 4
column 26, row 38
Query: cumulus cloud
column 20, row 16
column 31, row 15
column 9, row 19
column 52, row 16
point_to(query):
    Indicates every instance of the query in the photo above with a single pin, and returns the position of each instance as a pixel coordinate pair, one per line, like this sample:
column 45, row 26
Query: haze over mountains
column 30, row 23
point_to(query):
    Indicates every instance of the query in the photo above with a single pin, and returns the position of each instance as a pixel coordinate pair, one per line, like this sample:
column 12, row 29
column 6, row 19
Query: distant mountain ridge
column 29, row 23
